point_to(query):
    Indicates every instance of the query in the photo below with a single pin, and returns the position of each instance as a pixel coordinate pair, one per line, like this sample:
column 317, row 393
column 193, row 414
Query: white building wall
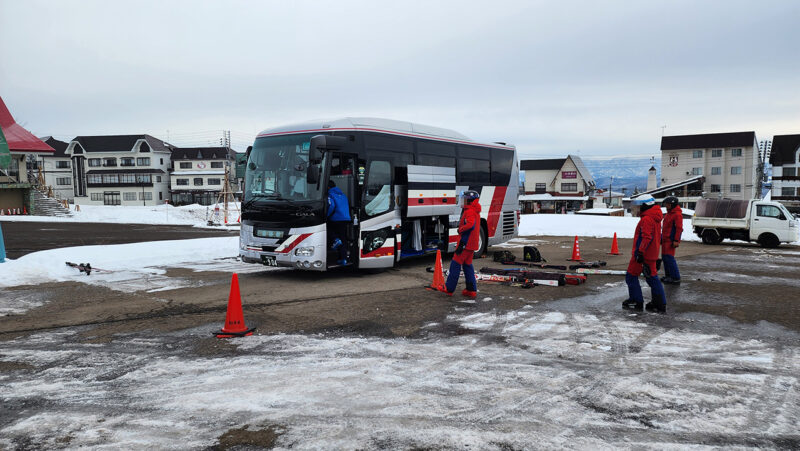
column 688, row 165
column 59, row 178
column 539, row 176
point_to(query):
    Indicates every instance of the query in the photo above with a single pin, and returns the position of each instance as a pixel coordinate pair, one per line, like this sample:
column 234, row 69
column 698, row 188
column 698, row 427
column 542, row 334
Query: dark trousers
column 465, row 259
column 338, row 229
column 671, row 266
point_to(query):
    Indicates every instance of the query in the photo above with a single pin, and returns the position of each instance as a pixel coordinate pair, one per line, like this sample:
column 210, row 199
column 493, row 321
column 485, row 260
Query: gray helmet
column 670, row 201
column 470, row 195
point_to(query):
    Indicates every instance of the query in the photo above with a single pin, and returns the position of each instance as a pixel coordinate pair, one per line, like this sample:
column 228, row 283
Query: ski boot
column 631, row 304
column 657, row 305
column 336, row 243
column 469, row 294
column 670, row 280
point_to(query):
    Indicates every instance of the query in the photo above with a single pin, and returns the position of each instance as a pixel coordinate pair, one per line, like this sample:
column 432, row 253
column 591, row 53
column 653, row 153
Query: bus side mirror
column 322, row 143
column 247, row 152
column 312, row 174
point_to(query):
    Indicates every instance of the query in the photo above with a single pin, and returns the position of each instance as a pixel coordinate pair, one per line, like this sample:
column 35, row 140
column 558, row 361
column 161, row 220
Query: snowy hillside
column 628, row 172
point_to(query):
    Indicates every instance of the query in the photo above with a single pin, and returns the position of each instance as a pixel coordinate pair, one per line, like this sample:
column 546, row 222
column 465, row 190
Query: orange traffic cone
column 438, row 274
column 614, row 247
column 234, row 318
column 576, row 251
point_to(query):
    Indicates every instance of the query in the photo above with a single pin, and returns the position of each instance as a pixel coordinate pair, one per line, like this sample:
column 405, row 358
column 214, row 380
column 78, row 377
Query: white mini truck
column 768, row 223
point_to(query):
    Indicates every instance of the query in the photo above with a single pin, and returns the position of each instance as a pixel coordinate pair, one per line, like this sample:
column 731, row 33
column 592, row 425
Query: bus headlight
column 304, row 251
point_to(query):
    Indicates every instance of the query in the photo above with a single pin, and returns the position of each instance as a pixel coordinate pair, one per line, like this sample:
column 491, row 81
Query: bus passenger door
column 342, row 173
column 380, row 217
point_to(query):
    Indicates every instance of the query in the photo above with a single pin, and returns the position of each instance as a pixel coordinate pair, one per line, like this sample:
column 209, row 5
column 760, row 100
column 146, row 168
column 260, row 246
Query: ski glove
column 639, row 257
column 460, row 247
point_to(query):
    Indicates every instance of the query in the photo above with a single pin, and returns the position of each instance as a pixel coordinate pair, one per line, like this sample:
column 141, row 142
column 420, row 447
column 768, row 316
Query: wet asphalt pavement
column 373, row 361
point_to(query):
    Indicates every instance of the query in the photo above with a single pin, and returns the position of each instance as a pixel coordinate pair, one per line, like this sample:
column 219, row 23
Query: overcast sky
column 552, row 77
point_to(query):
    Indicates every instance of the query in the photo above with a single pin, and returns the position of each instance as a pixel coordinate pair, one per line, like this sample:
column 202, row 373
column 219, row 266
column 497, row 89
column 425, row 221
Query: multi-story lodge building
column 556, row 185
column 785, row 161
column 56, row 169
column 120, row 170
column 198, row 174
column 727, row 161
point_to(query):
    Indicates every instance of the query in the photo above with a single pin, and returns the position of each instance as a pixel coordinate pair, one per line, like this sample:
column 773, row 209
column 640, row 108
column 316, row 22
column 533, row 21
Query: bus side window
column 378, row 189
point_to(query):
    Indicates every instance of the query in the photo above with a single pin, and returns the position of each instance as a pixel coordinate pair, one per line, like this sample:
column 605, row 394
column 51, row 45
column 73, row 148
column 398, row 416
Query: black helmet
column 470, row 195
column 670, row 201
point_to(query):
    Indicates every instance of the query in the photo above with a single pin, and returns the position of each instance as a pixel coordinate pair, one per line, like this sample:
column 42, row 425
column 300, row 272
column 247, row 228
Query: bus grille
column 508, row 222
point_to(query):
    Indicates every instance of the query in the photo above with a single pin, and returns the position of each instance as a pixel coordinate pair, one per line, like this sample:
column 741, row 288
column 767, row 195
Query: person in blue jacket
column 338, row 219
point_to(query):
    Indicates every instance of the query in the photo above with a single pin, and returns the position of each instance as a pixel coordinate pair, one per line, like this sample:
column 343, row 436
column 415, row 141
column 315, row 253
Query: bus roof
column 377, row 125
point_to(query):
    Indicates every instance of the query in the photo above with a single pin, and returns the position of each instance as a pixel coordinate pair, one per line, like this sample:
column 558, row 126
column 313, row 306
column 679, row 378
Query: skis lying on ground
column 614, row 272
column 596, row 264
column 510, row 280
column 562, row 278
column 86, row 267
column 534, row 265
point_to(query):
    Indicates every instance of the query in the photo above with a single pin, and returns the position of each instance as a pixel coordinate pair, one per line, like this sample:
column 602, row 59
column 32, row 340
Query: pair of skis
column 561, row 278
column 85, row 267
column 508, row 279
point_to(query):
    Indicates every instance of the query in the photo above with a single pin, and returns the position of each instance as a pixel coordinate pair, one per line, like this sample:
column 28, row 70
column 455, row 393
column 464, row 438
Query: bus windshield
column 277, row 170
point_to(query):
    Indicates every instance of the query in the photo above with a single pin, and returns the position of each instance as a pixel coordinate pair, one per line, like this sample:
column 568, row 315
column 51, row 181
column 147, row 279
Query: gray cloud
column 550, row 77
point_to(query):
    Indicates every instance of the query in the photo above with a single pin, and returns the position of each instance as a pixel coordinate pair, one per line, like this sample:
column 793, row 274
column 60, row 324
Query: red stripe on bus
column 295, row 243
column 391, row 132
column 380, row 252
column 495, row 209
column 431, row 201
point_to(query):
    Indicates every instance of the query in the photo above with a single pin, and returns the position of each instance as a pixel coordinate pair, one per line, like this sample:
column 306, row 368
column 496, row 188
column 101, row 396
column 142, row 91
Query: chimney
column 651, row 179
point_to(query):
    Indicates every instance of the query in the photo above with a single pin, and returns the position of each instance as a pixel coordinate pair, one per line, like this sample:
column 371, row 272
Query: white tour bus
column 402, row 180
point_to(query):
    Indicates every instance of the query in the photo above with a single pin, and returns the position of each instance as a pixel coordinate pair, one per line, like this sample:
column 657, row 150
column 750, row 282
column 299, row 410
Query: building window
column 736, row 170
column 143, row 161
column 716, row 153
column 160, row 195
column 697, row 154
column 736, row 152
column 216, row 164
column 787, row 191
column 569, row 187
column 158, row 179
column 97, row 196
column 126, row 161
column 697, row 171
column 716, row 170
column 182, row 182
column 541, row 187
column 143, row 178
column 161, row 160
column 215, row 181
column 63, row 181
column 146, row 196
column 129, row 196
column 198, row 181
column 94, row 178
column 789, row 172
column 62, row 164
column 186, row 165
column 95, row 162
column 111, row 198
column 110, row 178
column 109, row 162
column 715, row 188
column 736, row 188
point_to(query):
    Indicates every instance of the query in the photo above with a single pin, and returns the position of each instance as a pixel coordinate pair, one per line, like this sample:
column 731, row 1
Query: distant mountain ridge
column 628, row 172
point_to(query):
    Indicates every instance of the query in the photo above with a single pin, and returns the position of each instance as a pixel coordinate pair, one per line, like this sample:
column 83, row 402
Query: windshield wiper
column 255, row 197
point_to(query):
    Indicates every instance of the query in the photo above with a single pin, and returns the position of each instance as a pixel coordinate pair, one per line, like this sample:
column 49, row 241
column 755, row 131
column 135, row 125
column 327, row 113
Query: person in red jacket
column 671, row 239
column 646, row 242
column 469, row 232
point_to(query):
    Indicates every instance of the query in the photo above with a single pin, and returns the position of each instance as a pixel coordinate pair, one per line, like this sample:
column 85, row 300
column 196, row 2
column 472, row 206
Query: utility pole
column 609, row 190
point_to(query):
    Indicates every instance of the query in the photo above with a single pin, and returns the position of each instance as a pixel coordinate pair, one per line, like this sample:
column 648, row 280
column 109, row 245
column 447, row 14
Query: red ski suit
column 646, row 241
column 671, row 230
column 469, row 231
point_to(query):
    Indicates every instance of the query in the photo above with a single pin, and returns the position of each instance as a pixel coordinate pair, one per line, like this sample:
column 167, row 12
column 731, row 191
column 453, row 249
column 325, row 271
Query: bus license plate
column 269, row 260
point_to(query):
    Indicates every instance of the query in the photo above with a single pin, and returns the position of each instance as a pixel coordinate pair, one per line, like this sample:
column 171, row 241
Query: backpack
column 503, row 256
column 531, row 254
